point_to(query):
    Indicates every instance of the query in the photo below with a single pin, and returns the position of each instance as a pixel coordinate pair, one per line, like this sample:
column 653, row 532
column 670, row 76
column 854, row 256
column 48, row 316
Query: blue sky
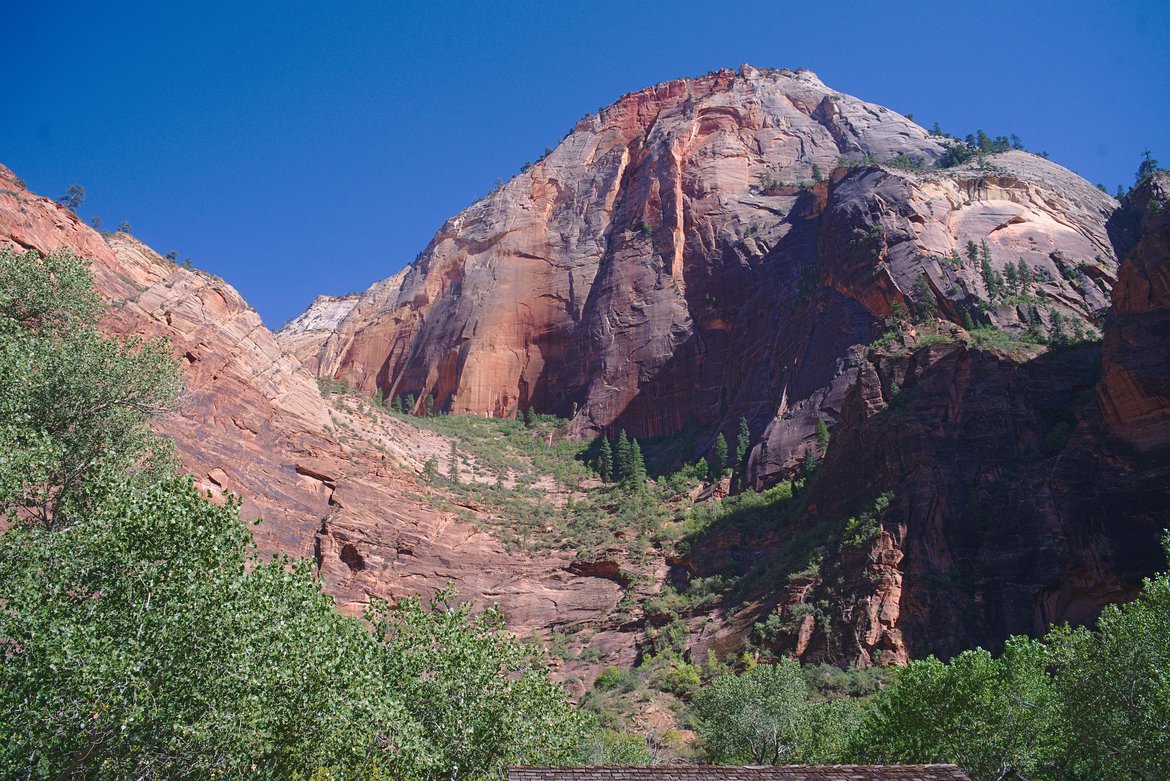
column 297, row 148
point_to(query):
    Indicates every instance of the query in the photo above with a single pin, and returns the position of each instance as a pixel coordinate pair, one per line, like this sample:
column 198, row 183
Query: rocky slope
column 328, row 481
column 664, row 266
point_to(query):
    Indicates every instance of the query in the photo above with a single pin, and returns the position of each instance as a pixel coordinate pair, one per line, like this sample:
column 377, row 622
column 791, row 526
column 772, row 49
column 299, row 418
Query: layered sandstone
column 1028, row 487
column 252, row 421
column 665, row 265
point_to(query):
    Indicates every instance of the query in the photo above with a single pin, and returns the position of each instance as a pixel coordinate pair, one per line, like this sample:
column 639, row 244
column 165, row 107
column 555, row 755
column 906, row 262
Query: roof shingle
column 730, row 773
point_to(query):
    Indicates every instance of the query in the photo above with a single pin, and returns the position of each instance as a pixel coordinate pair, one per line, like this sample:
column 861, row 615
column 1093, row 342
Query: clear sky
column 297, row 148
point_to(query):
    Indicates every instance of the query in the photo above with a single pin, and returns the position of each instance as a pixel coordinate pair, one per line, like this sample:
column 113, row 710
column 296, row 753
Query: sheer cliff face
column 1026, row 489
column 663, row 265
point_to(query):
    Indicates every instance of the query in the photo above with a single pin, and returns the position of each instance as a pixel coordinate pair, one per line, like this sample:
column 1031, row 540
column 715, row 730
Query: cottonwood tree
column 483, row 699
column 149, row 641
column 74, row 403
column 755, row 718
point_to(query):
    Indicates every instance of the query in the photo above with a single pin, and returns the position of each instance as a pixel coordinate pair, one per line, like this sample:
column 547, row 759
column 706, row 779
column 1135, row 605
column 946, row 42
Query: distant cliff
column 712, row 248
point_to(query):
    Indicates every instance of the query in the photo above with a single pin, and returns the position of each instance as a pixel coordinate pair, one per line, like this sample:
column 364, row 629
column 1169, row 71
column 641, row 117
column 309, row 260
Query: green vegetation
column 766, row 717
column 976, row 145
column 74, row 404
column 75, row 196
column 144, row 638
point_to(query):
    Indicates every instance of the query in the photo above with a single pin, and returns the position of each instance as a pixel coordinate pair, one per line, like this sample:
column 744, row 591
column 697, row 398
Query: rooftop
column 728, row 773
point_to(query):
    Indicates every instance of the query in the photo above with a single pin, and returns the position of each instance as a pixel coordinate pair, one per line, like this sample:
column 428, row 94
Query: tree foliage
column 74, row 404
column 73, row 198
column 994, row 717
column 482, row 698
column 149, row 642
column 1114, row 682
column 765, row 716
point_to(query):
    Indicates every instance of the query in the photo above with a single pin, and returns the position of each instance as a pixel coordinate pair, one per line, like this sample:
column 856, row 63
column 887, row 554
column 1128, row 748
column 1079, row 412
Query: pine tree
column 410, row 402
column 972, row 252
column 453, row 469
column 1011, row 277
column 606, row 460
column 637, row 479
column 822, row 435
column 430, row 469
column 741, row 446
column 702, row 471
column 429, row 411
column 922, row 295
column 624, row 457
column 811, row 462
column 1057, row 335
column 396, row 404
column 75, row 196
column 529, row 418
column 720, row 466
column 988, row 279
column 1025, row 274
column 1146, row 168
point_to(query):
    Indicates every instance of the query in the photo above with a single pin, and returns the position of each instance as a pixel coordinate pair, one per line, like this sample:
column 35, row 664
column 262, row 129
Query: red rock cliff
column 664, row 265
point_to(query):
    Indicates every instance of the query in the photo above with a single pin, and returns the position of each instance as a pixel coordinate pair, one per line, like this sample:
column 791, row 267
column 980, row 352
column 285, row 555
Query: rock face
column 1025, row 487
column 304, row 335
column 711, row 249
column 252, row 421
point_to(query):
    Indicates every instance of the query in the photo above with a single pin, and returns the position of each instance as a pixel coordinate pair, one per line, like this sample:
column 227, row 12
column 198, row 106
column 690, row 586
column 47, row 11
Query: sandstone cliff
column 701, row 251
column 676, row 261
column 969, row 494
column 329, row 482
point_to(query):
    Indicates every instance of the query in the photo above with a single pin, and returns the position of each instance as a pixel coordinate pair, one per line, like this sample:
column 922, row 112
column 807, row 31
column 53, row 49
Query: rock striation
column 710, row 249
column 252, row 421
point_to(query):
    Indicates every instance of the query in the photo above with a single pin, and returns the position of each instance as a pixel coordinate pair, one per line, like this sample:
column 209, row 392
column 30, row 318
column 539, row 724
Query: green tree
column 429, row 409
column 702, row 470
column 637, row 478
column 75, row 196
column 453, row 468
column 822, row 435
column 922, row 295
column 624, row 458
column 396, row 404
column 1114, row 683
column 742, row 447
column 1025, row 275
column 995, row 718
column 719, row 467
column 430, row 470
column 606, row 462
column 756, row 718
column 408, row 407
column 483, row 699
column 816, row 173
column 1146, row 168
column 74, row 404
column 151, row 642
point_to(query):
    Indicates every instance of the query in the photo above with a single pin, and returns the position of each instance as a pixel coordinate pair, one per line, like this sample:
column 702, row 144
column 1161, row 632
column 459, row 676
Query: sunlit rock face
column 327, row 483
column 710, row 249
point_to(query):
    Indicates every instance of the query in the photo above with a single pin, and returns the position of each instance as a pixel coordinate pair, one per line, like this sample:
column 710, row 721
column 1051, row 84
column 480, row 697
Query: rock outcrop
column 710, row 249
column 1007, row 490
column 253, row 422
